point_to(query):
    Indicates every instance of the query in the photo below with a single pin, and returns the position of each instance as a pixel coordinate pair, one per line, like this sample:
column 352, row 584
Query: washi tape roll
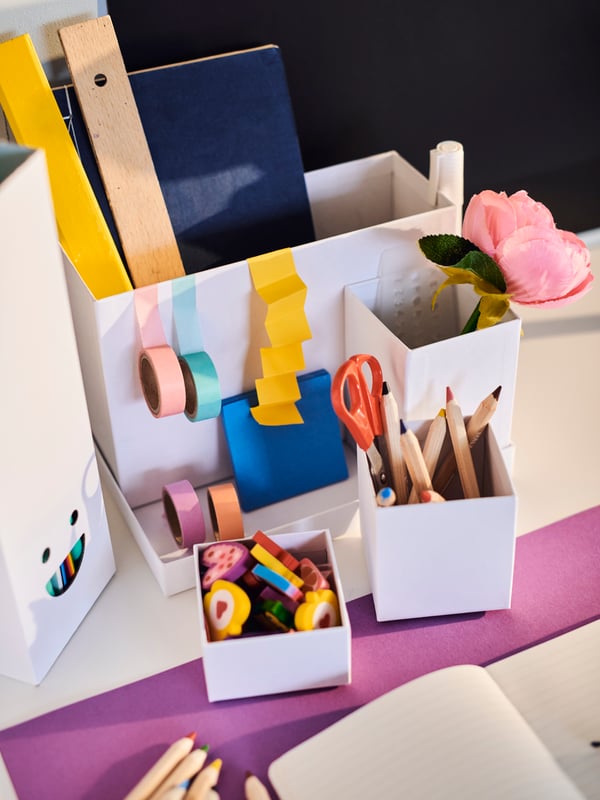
column 159, row 370
column 202, row 389
column 201, row 380
column 162, row 381
column 184, row 513
column 225, row 512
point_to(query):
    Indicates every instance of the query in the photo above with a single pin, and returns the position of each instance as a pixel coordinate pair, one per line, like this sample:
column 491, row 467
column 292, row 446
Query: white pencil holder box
column 273, row 662
column 55, row 549
column 360, row 210
column 421, row 350
column 452, row 557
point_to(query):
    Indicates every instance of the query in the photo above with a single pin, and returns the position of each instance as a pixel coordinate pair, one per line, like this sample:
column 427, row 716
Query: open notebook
column 521, row 728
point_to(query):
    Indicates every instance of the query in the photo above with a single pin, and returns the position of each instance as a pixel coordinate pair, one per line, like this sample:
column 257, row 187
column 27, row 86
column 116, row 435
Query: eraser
column 226, row 561
column 264, row 557
column 319, row 610
column 312, row 576
column 287, row 559
column 227, row 607
column 277, row 581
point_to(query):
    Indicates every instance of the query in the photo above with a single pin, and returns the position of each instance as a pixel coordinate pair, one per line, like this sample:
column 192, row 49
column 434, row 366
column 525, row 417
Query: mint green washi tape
column 202, row 389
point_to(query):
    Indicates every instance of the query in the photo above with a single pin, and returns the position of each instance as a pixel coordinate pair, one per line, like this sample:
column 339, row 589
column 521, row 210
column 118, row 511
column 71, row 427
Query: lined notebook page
column 449, row 734
column 556, row 687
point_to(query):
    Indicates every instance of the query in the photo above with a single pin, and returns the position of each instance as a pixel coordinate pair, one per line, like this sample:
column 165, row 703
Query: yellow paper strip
column 286, row 414
column 35, row 120
column 279, row 285
column 276, row 360
column 286, row 321
column 278, row 389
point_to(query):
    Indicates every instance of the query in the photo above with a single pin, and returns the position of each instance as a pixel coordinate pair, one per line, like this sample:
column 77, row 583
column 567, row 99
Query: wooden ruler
column 115, row 130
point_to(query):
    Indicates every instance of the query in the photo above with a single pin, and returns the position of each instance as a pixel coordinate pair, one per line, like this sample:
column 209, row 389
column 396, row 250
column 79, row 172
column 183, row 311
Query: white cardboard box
column 248, row 666
column 360, row 209
column 421, row 351
column 453, row 557
column 332, row 507
column 55, row 550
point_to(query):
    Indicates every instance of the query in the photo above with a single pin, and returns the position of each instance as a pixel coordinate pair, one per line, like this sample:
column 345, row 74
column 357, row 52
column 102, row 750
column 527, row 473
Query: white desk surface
column 134, row 631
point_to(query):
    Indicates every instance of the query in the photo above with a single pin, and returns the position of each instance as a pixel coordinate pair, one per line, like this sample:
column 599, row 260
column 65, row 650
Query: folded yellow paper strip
column 279, row 285
column 35, row 121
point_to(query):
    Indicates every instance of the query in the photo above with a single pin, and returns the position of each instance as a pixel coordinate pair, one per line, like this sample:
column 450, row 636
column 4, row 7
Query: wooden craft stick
column 119, row 143
column 460, row 445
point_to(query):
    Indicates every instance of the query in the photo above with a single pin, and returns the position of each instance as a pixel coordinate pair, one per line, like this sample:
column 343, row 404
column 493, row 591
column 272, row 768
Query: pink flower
column 541, row 264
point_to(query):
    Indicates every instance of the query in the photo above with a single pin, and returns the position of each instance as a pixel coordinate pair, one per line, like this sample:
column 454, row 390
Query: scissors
column 362, row 416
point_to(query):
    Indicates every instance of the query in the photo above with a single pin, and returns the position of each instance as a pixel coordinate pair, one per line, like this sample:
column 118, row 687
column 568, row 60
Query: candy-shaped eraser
column 264, row 557
column 312, row 576
column 225, row 560
column 277, row 581
column 319, row 610
column 227, row 607
column 287, row 559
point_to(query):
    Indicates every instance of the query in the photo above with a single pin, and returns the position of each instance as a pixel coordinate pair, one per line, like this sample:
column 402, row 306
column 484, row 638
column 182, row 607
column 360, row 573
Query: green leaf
column 449, row 250
column 485, row 267
column 445, row 249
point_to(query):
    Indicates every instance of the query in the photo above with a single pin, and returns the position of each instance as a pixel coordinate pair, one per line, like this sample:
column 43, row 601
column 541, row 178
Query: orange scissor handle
column 362, row 416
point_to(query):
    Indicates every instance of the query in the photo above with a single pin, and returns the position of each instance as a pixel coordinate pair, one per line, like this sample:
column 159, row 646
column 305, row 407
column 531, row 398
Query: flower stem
column 471, row 323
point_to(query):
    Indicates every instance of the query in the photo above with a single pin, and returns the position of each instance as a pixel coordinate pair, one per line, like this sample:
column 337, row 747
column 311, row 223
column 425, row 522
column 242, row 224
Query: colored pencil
column 386, row 497
column 161, row 769
column 415, row 463
column 187, row 768
column 460, row 445
column 475, row 427
column 432, row 447
column 254, row 788
column 391, row 431
column 431, row 496
column 205, row 780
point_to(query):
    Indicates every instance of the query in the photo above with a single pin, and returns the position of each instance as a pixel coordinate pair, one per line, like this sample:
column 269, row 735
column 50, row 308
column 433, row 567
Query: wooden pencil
column 460, row 445
column 205, row 780
column 391, row 429
column 187, row 768
column 432, row 447
column 162, row 768
column 254, row 788
column 475, row 427
column 415, row 463
column 431, row 496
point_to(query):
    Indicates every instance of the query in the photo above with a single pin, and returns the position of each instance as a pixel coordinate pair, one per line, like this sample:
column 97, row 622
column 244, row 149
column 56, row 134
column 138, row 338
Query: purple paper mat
column 100, row 747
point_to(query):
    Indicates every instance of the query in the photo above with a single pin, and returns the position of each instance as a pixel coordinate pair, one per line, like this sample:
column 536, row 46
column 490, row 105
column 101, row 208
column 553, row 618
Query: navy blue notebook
column 223, row 139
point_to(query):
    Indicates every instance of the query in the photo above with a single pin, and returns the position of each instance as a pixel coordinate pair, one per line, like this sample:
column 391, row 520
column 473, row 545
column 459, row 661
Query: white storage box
column 421, row 351
column 55, row 550
column 255, row 664
column 452, row 557
column 360, row 209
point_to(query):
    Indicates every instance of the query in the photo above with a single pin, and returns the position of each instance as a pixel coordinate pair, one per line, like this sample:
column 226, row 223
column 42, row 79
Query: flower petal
column 542, row 264
column 529, row 211
column 489, row 218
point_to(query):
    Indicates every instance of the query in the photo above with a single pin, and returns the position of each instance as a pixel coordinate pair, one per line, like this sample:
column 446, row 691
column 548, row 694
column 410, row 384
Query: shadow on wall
column 515, row 86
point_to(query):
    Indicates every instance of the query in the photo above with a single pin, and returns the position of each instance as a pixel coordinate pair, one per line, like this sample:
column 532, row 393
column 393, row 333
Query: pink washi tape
column 161, row 378
column 184, row 513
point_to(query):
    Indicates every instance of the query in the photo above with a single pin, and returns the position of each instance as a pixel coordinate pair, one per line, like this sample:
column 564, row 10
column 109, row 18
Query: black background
column 516, row 82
